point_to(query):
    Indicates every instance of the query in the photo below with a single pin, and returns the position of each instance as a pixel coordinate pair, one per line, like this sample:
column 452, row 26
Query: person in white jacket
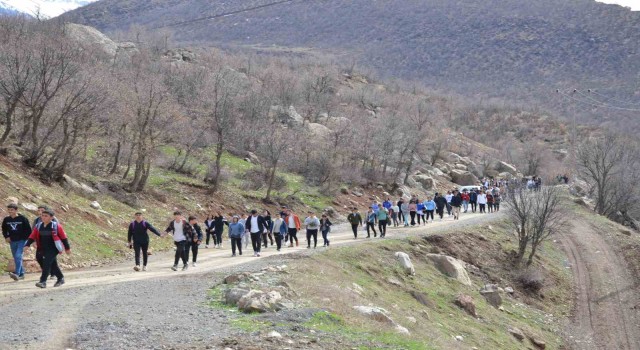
column 482, row 201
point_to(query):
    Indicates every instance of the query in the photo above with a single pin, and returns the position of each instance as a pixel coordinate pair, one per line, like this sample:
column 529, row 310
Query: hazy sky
column 634, row 4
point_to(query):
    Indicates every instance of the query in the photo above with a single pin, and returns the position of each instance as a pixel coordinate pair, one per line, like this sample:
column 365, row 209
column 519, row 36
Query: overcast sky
column 634, row 4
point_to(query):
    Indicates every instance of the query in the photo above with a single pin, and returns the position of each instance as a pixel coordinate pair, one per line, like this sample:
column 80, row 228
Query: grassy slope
column 326, row 280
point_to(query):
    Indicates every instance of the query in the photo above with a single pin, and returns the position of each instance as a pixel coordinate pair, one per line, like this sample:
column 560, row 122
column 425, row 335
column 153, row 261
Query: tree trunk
column 216, row 176
column 272, row 175
column 116, row 159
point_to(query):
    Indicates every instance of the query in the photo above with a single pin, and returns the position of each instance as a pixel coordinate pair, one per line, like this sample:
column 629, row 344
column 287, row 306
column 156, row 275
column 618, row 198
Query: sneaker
column 278, row 249
column 185, row 267
column 194, row 264
column 258, row 255
column 174, row 267
column 21, row 277
column 13, row 276
column 232, row 255
column 144, row 268
column 136, row 268
column 240, row 253
column 206, row 246
column 219, row 246
column 59, row 282
column 41, row 284
column 309, row 247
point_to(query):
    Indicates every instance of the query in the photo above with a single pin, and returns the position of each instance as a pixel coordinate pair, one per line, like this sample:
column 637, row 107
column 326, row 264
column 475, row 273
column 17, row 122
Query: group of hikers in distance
column 262, row 230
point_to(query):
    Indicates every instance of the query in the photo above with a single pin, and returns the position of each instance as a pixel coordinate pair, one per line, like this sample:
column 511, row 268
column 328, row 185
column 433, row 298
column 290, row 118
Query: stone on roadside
column 233, row 295
column 259, row 301
column 405, row 262
column 236, row 277
column 451, row 267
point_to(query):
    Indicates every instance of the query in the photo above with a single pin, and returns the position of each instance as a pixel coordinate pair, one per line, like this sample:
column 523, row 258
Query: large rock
column 501, row 167
column 492, row 294
column 30, row 207
column 463, row 178
column 451, row 267
column 232, row 296
column 288, row 116
column 77, row 186
column 375, row 313
column 427, row 182
column 318, row 131
column 13, row 200
column 259, row 301
column 405, row 262
column 466, row 303
column 516, row 333
column 95, row 205
column 236, row 277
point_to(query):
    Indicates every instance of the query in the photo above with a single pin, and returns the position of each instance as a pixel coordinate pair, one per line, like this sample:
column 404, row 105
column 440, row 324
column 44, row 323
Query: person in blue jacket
column 429, row 207
column 236, row 231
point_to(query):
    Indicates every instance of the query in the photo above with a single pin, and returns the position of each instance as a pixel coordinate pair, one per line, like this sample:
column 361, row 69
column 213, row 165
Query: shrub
column 531, row 280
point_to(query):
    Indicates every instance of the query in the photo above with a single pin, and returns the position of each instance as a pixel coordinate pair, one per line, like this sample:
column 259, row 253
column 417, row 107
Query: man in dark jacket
column 473, row 199
column 441, row 203
column 355, row 219
column 256, row 225
column 195, row 241
column 138, row 239
column 456, row 203
column 16, row 231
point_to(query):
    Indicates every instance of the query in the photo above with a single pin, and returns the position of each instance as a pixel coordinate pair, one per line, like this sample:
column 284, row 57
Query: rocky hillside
column 514, row 51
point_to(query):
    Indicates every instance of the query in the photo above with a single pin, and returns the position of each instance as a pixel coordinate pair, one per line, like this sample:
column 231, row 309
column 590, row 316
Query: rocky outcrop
column 232, row 296
column 491, row 293
column 405, row 263
column 318, row 131
column 516, row 333
column 259, row 301
column 77, row 186
column 380, row 315
column 451, row 267
column 288, row 116
column 466, row 303
column 427, row 182
column 463, row 178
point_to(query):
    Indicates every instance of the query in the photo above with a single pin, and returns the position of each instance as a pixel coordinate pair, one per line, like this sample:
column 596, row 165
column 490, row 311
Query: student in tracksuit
column 236, row 231
column 51, row 240
column 195, row 242
column 182, row 235
column 138, row 239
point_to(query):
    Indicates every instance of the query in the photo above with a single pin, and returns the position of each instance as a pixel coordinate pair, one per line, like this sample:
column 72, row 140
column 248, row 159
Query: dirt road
column 117, row 308
column 605, row 315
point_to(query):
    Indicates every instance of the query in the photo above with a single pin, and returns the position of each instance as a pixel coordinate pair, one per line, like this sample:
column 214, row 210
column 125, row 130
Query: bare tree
column 535, row 216
column 274, row 146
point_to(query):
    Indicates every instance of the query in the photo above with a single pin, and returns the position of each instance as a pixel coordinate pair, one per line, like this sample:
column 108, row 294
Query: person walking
column 138, row 239
column 325, row 228
column 448, row 197
column 441, row 203
column 497, row 198
column 371, row 223
column 395, row 214
column 355, row 219
column 383, row 220
column 473, row 200
column 465, row 200
column 482, row 201
column 182, row 234
column 51, row 240
column 218, row 227
column 236, row 231
column 210, row 229
column 267, row 232
column 412, row 211
column 16, row 231
column 430, row 207
column 456, row 203
column 489, row 201
column 401, row 213
column 312, row 225
column 404, row 209
column 293, row 226
column 420, row 212
column 279, row 230
column 255, row 226
column 195, row 241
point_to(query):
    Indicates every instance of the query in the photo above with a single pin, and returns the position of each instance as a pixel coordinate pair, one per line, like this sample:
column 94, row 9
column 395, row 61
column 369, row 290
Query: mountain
column 45, row 8
column 520, row 51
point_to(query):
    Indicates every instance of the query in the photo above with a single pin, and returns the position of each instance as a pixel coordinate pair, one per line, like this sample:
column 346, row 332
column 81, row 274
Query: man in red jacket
column 51, row 240
column 293, row 223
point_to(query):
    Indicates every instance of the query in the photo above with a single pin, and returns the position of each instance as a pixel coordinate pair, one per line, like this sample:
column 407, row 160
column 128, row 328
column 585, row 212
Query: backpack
column 144, row 224
column 54, row 229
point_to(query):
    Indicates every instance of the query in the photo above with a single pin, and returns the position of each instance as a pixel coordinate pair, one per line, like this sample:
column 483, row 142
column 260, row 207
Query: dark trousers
column 314, row 234
column 496, row 206
column 278, row 240
column 354, row 228
column 382, row 226
column 236, row 242
column 49, row 263
column 264, row 238
column 371, row 225
column 482, row 210
column 474, row 206
column 449, row 208
column 181, row 252
column 401, row 216
column 194, row 250
column 440, row 211
column 413, row 217
column 325, row 237
column 218, row 237
column 490, row 207
column 256, row 241
column 429, row 213
column 211, row 234
column 293, row 234
column 143, row 247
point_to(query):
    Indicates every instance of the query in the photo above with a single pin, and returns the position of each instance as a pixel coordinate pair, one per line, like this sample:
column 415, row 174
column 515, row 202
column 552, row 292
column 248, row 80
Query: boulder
column 259, row 301
column 540, row 344
column 451, row 267
column 274, row 334
column 509, row 290
column 405, row 262
column 95, row 205
column 501, row 166
column 460, row 166
column 475, row 169
column 236, row 277
column 463, row 178
column 77, row 186
column 516, row 333
column 453, row 158
column 252, row 158
column 375, row 313
column 233, row 295
column 401, row 330
column 13, row 200
column 466, row 303
column 492, row 294
column 427, row 182
column 30, row 207
column 318, row 131
column 288, row 116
